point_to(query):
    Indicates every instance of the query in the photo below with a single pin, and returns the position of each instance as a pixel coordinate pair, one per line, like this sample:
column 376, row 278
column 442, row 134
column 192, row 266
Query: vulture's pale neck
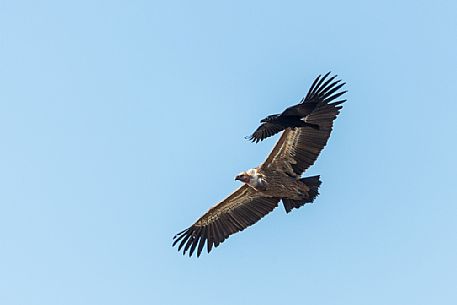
column 256, row 181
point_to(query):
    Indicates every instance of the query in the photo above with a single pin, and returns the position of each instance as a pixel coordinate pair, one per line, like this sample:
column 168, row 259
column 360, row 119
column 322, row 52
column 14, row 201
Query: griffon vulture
column 277, row 179
column 321, row 91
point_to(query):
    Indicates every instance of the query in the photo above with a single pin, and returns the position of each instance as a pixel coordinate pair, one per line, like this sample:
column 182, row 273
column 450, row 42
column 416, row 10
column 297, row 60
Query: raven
column 322, row 92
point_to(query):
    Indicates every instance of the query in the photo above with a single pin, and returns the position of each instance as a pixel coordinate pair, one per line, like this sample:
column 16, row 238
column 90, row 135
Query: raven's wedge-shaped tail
column 313, row 184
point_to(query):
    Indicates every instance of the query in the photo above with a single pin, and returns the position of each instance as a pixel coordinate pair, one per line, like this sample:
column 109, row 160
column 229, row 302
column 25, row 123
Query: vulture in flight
column 322, row 90
column 277, row 179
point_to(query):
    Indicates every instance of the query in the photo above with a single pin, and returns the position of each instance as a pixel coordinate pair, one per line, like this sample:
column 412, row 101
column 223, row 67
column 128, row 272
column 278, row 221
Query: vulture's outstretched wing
column 322, row 91
column 235, row 213
column 298, row 148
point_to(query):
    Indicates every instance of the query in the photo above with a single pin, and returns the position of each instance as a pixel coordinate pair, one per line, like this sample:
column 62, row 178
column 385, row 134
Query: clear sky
column 121, row 122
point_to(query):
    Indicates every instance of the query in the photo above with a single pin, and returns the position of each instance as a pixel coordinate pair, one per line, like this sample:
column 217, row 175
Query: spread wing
column 241, row 209
column 265, row 130
column 321, row 90
column 298, row 148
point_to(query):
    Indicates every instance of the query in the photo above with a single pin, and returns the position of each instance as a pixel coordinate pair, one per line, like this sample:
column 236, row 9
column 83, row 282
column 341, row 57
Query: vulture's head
column 252, row 178
column 243, row 177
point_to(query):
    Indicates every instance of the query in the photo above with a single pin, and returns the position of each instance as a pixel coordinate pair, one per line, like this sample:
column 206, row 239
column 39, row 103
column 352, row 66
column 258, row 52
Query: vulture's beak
column 243, row 178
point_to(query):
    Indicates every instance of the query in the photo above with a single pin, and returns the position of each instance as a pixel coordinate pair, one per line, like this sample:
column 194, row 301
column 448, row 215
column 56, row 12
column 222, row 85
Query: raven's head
column 269, row 118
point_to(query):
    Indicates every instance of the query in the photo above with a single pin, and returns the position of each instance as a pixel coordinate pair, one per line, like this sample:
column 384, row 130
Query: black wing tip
column 179, row 234
column 338, row 104
column 250, row 138
column 318, row 85
column 324, row 91
column 192, row 240
column 254, row 139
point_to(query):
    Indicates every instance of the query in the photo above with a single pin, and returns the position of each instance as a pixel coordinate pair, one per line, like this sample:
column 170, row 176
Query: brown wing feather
column 298, row 148
column 241, row 209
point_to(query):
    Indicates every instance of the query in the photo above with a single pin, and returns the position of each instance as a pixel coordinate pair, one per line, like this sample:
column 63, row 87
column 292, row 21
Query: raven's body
column 284, row 121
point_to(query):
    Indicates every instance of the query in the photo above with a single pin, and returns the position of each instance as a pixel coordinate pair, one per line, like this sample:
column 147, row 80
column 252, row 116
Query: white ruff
column 256, row 180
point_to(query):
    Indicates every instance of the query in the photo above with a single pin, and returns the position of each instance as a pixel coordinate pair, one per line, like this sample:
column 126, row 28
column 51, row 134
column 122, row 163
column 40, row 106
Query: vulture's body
column 277, row 179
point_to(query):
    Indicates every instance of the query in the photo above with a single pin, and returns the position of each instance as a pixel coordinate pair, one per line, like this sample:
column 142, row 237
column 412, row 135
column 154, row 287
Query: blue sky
column 122, row 122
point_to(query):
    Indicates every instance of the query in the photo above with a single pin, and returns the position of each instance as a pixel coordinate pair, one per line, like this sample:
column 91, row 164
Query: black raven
column 322, row 92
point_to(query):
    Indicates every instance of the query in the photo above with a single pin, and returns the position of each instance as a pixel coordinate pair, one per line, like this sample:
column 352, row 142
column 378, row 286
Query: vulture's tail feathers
column 313, row 184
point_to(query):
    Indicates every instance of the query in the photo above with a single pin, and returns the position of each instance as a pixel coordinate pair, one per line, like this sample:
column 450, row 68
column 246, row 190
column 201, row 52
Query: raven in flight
column 321, row 92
